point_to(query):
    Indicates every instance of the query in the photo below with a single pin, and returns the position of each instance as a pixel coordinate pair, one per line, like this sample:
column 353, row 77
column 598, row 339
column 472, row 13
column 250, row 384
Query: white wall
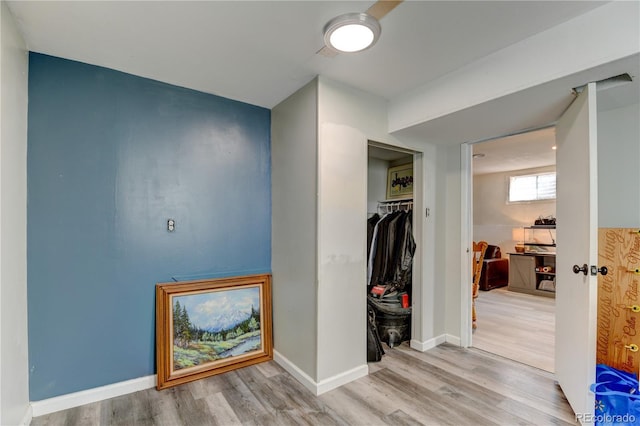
column 448, row 256
column 14, row 374
column 319, row 172
column 497, row 222
column 376, row 183
column 294, row 228
column 347, row 119
column 619, row 167
column 604, row 34
column 341, row 248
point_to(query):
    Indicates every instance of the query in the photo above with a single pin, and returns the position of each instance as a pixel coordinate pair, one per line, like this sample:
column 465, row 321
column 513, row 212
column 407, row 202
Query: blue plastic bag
column 617, row 397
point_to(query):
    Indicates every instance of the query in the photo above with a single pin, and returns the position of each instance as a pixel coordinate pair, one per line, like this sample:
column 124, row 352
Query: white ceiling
column 522, row 151
column 260, row 52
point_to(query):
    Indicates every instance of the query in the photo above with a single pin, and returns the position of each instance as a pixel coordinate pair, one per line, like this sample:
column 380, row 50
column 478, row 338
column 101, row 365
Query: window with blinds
column 538, row 187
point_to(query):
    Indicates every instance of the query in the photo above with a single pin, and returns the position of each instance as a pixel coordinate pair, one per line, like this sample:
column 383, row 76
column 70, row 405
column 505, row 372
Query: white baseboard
column 454, row 340
column 427, row 344
column 296, row 372
column 63, row 402
column 318, row 388
column 433, row 342
column 342, row 379
column 28, row 416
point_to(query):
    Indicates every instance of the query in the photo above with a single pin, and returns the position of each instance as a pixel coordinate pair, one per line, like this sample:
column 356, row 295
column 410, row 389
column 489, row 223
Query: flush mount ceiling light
column 351, row 32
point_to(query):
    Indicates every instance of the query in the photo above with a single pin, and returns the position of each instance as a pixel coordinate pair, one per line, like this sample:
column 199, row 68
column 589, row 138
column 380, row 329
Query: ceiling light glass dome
column 351, row 32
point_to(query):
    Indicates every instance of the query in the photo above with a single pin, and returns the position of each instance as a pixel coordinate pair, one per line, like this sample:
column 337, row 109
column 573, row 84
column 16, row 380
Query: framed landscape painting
column 211, row 326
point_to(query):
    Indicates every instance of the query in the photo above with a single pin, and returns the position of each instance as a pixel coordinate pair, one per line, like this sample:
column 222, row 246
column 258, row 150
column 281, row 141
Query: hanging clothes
column 371, row 224
column 390, row 255
column 391, row 251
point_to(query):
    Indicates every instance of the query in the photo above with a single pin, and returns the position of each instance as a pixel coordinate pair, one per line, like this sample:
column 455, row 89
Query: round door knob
column 595, row 270
column 577, row 269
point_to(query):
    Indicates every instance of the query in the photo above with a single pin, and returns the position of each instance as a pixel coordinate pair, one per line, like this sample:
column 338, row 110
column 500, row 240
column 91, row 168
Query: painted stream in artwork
column 250, row 344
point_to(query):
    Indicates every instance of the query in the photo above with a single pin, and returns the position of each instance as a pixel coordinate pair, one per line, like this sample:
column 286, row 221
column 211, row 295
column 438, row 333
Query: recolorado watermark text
column 606, row 418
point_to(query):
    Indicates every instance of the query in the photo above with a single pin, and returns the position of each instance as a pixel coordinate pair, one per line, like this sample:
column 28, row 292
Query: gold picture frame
column 208, row 327
column 400, row 181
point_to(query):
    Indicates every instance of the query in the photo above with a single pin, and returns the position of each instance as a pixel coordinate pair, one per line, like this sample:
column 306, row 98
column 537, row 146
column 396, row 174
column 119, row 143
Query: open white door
column 577, row 240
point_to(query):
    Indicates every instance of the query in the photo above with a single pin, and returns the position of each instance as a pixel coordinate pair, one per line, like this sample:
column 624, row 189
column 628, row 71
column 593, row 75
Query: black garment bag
column 374, row 346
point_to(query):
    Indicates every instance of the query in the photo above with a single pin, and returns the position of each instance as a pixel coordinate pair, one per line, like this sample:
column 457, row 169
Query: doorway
column 383, row 159
column 513, row 193
column 580, row 213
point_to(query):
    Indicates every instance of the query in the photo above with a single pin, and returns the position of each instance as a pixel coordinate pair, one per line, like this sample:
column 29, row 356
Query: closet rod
column 389, row 206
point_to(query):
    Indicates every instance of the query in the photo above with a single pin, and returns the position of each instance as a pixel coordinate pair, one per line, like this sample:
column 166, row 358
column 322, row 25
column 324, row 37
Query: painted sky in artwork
column 220, row 310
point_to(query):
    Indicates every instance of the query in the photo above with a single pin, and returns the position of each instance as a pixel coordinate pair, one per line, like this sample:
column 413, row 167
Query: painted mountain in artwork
column 216, row 311
column 228, row 320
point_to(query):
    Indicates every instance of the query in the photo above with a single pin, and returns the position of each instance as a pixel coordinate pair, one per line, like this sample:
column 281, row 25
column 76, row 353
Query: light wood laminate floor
column 446, row 385
column 517, row 326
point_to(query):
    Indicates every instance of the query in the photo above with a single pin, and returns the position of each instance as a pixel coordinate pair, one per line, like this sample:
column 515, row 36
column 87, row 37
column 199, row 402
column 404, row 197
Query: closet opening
column 391, row 247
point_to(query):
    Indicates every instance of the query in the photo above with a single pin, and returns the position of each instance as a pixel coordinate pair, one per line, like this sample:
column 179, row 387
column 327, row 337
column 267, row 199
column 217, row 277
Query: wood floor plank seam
column 507, row 387
column 517, row 326
column 436, row 401
column 449, row 386
column 475, row 395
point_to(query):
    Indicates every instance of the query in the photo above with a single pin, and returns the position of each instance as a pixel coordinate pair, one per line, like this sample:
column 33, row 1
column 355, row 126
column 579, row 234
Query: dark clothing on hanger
column 392, row 249
column 384, row 233
column 371, row 224
column 404, row 250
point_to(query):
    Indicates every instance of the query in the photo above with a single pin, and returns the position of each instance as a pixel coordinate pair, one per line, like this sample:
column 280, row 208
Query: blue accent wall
column 111, row 157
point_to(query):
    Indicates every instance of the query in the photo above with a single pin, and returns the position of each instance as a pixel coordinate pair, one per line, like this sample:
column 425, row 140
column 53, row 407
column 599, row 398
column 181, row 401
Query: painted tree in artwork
column 253, row 324
column 254, row 320
column 181, row 325
column 186, row 328
column 177, row 310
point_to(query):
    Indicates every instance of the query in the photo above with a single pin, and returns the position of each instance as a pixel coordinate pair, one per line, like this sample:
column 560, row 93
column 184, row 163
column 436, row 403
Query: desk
column 526, row 274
